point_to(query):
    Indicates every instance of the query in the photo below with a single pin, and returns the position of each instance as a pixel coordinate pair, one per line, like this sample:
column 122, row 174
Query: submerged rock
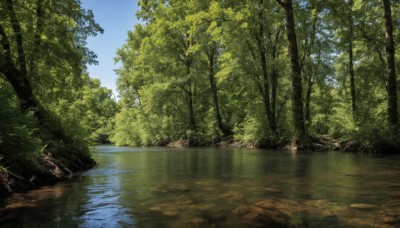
column 198, row 222
column 391, row 219
column 395, row 195
column 232, row 196
column 393, row 205
column 170, row 213
column 173, row 188
column 272, row 190
column 165, row 209
column 285, row 206
column 156, row 209
column 254, row 216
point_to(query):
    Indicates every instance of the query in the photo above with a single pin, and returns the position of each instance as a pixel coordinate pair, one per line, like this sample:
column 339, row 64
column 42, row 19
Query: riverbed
column 216, row 187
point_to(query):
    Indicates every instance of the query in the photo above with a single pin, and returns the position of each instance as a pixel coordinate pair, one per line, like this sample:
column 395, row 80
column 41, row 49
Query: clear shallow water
column 162, row 187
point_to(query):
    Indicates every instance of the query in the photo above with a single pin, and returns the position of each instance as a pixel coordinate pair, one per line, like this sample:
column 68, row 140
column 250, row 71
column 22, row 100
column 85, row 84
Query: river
column 206, row 187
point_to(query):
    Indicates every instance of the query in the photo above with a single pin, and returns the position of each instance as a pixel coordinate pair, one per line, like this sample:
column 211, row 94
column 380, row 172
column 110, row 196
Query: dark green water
column 160, row 187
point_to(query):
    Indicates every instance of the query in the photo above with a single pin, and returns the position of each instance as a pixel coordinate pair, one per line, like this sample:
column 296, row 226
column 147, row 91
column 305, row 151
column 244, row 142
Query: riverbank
column 46, row 169
column 315, row 143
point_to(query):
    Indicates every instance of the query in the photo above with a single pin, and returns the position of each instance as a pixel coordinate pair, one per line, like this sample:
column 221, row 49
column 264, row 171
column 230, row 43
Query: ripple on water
column 104, row 208
column 107, row 172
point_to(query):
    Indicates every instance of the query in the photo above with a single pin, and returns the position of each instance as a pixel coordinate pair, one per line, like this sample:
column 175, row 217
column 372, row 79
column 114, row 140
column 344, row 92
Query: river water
column 204, row 187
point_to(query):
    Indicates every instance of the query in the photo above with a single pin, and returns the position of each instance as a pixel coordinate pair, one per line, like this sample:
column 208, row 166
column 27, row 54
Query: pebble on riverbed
column 362, row 206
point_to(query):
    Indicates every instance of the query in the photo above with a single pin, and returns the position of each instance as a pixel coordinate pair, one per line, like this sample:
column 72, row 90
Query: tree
column 391, row 67
column 200, row 21
column 252, row 41
column 351, row 61
column 49, row 107
column 16, row 71
column 29, row 45
column 42, row 50
column 311, row 47
column 297, row 97
column 199, row 68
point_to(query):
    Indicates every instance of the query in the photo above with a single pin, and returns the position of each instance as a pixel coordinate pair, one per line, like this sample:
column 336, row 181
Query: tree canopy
column 49, row 105
column 259, row 72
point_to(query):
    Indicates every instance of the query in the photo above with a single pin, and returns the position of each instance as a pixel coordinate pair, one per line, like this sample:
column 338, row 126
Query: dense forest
column 266, row 73
column 51, row 111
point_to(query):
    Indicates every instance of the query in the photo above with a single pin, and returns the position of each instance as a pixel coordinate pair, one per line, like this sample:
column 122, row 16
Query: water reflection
column 159, row 187
column 103, row 207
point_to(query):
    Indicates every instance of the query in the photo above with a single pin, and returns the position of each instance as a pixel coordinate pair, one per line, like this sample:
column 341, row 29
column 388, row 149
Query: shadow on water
column 161, row 187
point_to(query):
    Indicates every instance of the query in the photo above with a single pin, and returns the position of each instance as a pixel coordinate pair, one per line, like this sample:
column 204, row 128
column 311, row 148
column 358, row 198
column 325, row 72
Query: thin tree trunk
column 214, row 92
column 189, row 92
column 193, row 125
column 391, row 69
column 351, row 61
column 265, row 86
column 297, row 97
column 307, row 114
column 274, row 78
column 264, row 69
column 18, row 36
column 274, row 88
column 309, row 73
column 37, row 40
column 352, row 80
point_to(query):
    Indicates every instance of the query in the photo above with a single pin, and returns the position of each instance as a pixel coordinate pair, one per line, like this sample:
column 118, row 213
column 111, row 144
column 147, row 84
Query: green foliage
column 165, row 88
column 19, row 143
column 87, row 112
column 48, row 104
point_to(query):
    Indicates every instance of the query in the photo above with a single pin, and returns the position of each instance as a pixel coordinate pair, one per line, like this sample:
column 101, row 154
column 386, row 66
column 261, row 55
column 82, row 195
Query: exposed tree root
column 52, row 170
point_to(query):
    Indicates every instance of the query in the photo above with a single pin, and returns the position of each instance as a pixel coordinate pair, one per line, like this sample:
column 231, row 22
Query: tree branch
column 5, row 43
column 37, row 39
column 18, row 36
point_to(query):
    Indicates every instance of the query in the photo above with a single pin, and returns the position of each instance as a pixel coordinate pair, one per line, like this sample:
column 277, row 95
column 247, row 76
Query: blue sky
column 116, row 17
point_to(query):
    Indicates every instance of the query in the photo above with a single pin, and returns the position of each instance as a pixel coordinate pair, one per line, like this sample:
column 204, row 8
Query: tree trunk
column 274, row 78
column 16, row 73
column 297, row 97
column 352, row 80
column 351, row 65
column 309, row 74
column 274, row 88
column 391, row 70
column 308, row 96
column 265, row 86
column 192, row 121
column 37, row 40
column 214, row 91
column 263, row 60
